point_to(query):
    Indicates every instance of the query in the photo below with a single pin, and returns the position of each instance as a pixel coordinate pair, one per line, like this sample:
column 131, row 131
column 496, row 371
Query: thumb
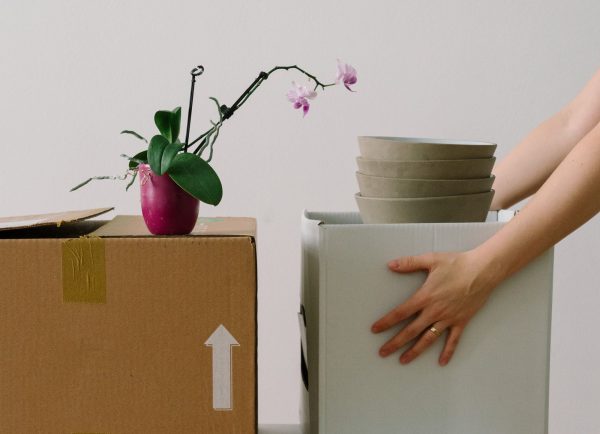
column 410, row 264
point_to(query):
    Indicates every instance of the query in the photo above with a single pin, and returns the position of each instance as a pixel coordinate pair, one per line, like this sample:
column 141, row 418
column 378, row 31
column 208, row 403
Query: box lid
column 134, row 226
column 51, row 219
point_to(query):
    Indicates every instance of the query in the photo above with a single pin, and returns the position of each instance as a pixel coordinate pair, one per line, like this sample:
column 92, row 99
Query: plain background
column 75, row 73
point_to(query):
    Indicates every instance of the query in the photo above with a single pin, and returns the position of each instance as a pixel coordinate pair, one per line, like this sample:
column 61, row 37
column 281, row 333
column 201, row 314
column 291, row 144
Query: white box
column 497, row 381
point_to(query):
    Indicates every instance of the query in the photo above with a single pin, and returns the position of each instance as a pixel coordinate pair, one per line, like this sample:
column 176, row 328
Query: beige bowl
column 414, row 148
column 427, row 169
column 463, row 208
column 377, row 186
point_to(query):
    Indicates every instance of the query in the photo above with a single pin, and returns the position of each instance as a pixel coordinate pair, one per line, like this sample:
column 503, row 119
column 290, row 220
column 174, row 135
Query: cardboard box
column 120, row 332
column 496, row 383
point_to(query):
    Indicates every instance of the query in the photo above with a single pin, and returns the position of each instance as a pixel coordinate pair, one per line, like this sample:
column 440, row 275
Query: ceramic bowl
column 378, row 186
column 414, row 148
column 462, row 208
column 427, row 169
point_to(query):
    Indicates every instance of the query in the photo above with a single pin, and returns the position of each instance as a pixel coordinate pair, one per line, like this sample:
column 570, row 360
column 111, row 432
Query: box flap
column 51, row 219
column 353, row 218
column 134, row 226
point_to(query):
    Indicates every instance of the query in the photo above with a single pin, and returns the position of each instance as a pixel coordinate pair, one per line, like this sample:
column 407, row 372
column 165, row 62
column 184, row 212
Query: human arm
column 528, row 166
column 459, row 284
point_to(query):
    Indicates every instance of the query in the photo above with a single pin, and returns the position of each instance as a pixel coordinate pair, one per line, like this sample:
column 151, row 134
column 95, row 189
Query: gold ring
column 435, row 331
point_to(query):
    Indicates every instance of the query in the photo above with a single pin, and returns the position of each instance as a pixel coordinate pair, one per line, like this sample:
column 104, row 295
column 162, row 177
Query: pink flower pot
column 166, row 207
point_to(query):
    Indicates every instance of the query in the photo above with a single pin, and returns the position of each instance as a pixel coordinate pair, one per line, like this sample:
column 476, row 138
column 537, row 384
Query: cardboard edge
column 132, row 226
column 255, row 253
column 311, row 227
column 321, row 392
column 51, row 219
column 550, row 253
column 322, row 218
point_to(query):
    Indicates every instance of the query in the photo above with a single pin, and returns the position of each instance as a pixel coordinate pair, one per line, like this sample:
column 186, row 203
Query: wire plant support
column 196, row 72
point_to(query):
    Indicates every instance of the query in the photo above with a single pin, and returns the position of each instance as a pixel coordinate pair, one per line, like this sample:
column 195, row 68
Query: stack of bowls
column 415, row 180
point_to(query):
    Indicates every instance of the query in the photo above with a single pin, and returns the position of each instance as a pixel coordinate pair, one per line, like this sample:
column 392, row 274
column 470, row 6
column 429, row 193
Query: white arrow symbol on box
column 221, row 342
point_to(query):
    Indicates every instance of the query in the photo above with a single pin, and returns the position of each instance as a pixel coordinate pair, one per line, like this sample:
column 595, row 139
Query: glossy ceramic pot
column 166, row 207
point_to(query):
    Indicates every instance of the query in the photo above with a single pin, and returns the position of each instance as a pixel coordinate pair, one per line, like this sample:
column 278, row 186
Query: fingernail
column 404, row 360
column 443, row 362
column 393, row 264
column 375, row 328
column 383, row 352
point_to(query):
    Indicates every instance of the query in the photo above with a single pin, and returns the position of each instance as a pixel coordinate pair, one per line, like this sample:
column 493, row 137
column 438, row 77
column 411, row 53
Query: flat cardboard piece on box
column 137, row 363
column 51, row 219
column 133, row 226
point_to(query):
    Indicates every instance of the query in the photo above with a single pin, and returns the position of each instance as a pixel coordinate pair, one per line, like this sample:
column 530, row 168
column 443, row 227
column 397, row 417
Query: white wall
column 75, row 73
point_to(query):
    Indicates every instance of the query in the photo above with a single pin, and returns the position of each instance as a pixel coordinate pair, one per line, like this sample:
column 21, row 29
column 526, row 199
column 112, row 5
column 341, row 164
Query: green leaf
column 196, row 177
column 78, row 186
column 143, row 156
column 162, row 119
column 155, row 152
column 132, row 181
column 175, row 123
column 167, row 157
column 133, row 133
column 168, row 123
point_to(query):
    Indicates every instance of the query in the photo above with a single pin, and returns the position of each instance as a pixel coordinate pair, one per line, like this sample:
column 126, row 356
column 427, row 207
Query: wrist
column 489, row 270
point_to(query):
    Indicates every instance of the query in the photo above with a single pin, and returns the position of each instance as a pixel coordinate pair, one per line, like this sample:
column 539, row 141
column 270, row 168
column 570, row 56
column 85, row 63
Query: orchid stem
column 226, row 112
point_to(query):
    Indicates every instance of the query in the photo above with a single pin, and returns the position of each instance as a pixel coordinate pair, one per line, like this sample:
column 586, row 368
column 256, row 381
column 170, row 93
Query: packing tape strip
column 83, row 270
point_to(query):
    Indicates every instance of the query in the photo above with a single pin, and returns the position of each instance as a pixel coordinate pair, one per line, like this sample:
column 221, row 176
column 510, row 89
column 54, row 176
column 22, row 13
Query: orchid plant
column 183, row 161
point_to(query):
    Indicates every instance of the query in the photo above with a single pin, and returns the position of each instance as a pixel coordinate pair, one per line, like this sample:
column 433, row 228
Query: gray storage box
column 496, row 383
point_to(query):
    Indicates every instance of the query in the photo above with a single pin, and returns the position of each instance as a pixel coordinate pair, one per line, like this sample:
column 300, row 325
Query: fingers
column 411, row 331
column 423, row 302
column 451, row 344
column 427, row 338
column 409, row 264
column 403, row 311
column 398, row 314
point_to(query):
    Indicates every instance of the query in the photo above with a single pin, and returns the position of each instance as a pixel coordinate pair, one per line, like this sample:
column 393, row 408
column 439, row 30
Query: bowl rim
column 427, row 180
column 428, row 141
column 422, row 199
column 381, row 160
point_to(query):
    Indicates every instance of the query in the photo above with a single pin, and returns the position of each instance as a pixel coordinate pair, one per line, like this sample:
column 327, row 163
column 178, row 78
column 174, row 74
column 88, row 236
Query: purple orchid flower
column 346, row 74
column 299, row 96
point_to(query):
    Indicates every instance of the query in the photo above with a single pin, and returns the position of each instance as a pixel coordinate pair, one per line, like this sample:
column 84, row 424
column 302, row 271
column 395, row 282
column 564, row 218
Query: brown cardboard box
column 120, row 332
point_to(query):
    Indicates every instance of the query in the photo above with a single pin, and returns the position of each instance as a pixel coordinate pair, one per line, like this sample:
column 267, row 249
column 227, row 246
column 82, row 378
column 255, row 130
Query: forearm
column 528, row 166
column 525, row 169
column 569, row 198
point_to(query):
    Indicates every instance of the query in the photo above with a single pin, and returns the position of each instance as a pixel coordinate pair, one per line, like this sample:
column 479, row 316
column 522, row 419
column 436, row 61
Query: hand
column 455, row 289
